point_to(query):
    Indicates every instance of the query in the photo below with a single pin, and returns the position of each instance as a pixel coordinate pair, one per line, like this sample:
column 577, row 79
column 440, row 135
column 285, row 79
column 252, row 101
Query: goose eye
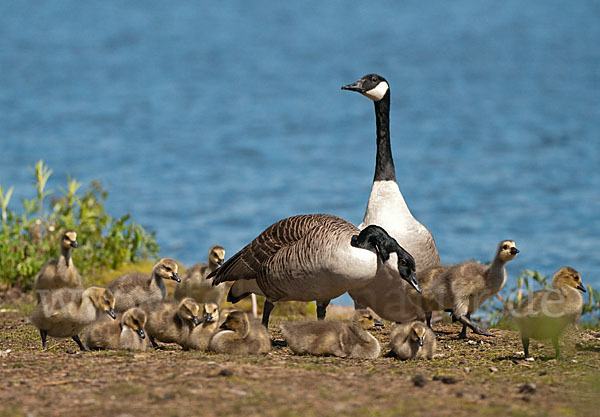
column 374, row 79
column 403, row 262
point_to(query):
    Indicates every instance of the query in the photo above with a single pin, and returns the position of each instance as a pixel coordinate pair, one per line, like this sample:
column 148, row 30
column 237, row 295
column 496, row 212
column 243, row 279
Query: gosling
column 239, row 335
column 328, row 337
column 125, row 334
column 137, row 289
column 461, row 289
column 412, row 340
column 172, row 321
column 61, row 272
column 201, row 335
column 194, row 283
column 65, row 312
column 545, row 314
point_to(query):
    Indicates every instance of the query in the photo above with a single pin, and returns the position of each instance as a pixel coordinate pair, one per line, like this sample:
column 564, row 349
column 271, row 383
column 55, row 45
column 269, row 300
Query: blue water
column 209, row 121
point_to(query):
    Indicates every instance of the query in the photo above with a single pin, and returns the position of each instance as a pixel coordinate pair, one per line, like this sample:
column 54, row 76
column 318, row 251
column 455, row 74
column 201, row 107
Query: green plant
column 30, row 238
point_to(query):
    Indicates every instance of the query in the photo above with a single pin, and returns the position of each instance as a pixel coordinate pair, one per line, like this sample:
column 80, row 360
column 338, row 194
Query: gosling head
column 377, row 240
column 216, row 255
column 210, row 313
column 135, row 319
column 568, row 277
column 166, row 268
column 365, row 319
column 507, row 250
column 188, row 310
column 372, row 86
column 238, row 322
column 69, row 240
column 103, row 299
column 417, row 333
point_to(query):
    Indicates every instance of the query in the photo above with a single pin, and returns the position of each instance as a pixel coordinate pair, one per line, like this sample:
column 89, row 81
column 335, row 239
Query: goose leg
column 428, row 318
column 525, row 341
column 153, row 342
column 463, row 332
column 254, row 305
column 556, row 347
column 322, row 309
column 43, row 333
column 267, row 308
column 81, row 345
column 466, row 322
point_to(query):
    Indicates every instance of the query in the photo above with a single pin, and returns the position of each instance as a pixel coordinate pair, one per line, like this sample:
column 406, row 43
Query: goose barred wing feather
column 254, row 260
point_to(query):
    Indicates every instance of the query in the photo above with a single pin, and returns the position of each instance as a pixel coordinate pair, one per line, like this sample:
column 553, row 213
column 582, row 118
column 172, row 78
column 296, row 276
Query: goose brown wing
column 251, row 261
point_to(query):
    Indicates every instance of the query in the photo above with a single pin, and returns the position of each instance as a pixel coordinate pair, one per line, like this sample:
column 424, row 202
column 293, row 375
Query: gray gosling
column 126, row 334
column 172, row 321
column 194, row 283
column 65, row 312
column 240, row 335
column 461, row 289
column 412, row 340
column 137, row 289
column 545, row 314
column 201, row 335
column 61, row 272
column 343, row 339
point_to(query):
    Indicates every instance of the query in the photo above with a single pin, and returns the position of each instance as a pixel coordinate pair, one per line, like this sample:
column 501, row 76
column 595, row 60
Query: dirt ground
column 480, row 376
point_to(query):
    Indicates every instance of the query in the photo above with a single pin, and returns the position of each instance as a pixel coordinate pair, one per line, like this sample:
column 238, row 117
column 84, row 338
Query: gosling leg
column 466, row 322
column 463, row 332
column 428, row 318
column 81, row 345
column 322, row 310
column 556, row 347
column 525, row 341
column 43, row 333
column 153, row 342
column 267, row 308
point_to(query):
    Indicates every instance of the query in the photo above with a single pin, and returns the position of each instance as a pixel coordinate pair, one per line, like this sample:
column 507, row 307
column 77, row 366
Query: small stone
column 467, row 370
column 419, row 380
column 225, row 372
column 493, row 369
column 526, row 398
column 528, row 388
column 445, row 379
column 543, row 373
column 471, row 342
column 482, row 396
column 574, row 360
column 530, row 359
column 460, row 394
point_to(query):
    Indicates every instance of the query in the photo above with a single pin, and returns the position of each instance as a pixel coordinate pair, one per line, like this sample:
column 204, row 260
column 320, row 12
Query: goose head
column 417, row 333
column 166, row 268
column 568, row 277
column 372, row 86
column 377, row 240
column 238, row 322
column 188, row 310
column 210, row 313
column 507, row 250
column 216, row 255
column 103, row 299
column 365, row 319
column 69, row 240
column 135, row 319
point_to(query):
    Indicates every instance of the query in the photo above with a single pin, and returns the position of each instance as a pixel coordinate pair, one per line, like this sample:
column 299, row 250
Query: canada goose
column 137, row 289
column 413, row 340
column 194, row 283
column 201, row 335
column 65, row 312
column 386, row 207
column 328, row 337
column 61, row 272
column 127, row 333
column 172, row 321
column 314, row 257
column 545, row 314
column 240, row 335
column 463, row 288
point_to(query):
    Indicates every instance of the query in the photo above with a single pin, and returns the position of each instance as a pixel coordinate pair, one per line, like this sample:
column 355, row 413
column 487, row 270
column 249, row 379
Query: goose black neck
column 384, row 164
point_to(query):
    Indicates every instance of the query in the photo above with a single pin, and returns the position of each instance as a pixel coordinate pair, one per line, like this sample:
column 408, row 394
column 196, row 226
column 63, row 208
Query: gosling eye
column 106, row 302
column 576, row 278
column 505, row 247
column 167, row 269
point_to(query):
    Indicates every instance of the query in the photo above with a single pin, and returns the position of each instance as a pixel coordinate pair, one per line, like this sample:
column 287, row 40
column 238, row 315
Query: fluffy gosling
column 65, row 312
column 240, row 335
column 127, row 333
column 463, row 288
column 136, row 289
column 201, row 335
column 328, row 337
column 194, row 283
column 545, row 314
column 61, row 272
column 412, row 340
column 172, row 321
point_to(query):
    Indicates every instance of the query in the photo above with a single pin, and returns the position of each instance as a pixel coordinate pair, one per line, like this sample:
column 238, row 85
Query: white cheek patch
column 378, row 92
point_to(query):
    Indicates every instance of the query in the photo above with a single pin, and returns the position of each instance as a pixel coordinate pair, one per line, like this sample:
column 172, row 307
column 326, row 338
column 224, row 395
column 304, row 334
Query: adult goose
column 387, row 208
column 315, row 257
